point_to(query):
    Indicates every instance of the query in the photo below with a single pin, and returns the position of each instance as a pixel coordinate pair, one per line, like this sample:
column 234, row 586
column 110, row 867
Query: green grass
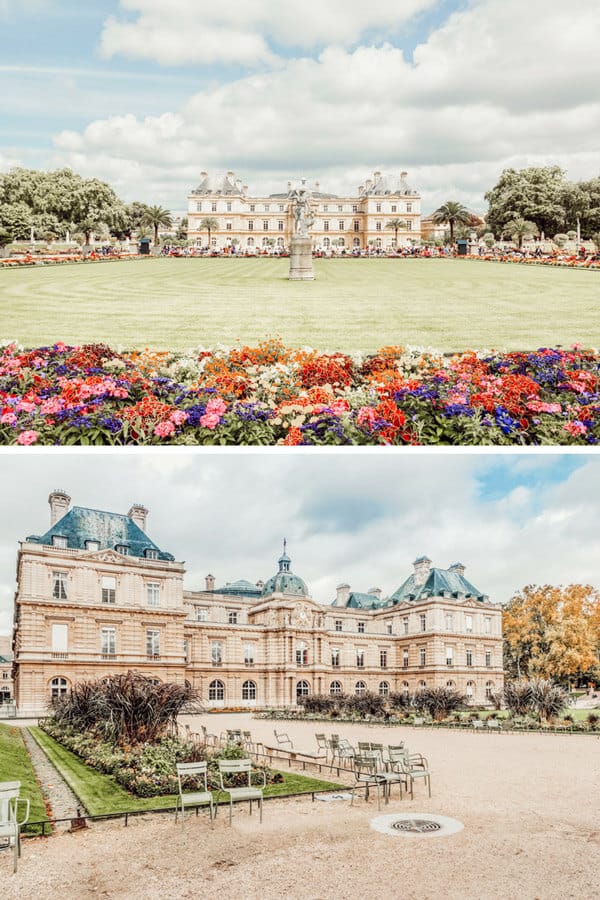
column 354, row 304
column 101, row 795
column 15, row 765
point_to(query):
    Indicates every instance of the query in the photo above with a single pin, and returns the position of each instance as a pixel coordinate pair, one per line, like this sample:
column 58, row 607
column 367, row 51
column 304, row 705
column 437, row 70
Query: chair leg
column 260, row 803
column 230, row 809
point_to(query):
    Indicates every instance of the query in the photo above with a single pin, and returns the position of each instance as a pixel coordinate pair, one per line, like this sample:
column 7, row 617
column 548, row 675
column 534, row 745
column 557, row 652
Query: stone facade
column 261, row 223
column 6, row 662
column 96, row 597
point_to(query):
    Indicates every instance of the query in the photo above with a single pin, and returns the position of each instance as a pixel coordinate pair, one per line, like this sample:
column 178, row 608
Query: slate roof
column 438, row 581
column 357, row 600
column 393, row 185
column 217, row 184
column 240, row 588
column 110, row 529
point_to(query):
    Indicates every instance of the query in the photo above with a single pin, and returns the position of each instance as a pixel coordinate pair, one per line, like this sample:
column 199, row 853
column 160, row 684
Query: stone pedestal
column 301, row 264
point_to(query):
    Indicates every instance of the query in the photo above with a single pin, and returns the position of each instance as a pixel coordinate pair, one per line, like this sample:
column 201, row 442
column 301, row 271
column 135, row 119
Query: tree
column 590, row 217
column 209, row 224
column 396, row 224
column 519, row 229
column 534, row 194
column 552, row 632
column 450, row 213
column 157, row 217
column 6, row 237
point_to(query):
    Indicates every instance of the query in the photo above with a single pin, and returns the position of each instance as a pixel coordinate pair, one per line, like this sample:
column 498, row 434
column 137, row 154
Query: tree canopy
column 552, row 632
column 452, row 213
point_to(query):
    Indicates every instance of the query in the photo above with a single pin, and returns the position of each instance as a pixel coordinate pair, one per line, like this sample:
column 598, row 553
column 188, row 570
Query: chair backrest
column 365, row 764
column 9, row 791
column 396, row 753
column 364, row 745
column 234, row 767
column 477, row 723
column 321, row 740
column 192, row 770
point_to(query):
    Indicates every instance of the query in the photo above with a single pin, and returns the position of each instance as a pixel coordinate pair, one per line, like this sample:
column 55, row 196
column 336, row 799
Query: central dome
column 285, row 582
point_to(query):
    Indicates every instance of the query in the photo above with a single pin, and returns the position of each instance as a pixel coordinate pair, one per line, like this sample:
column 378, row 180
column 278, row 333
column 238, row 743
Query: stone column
column 301, row 263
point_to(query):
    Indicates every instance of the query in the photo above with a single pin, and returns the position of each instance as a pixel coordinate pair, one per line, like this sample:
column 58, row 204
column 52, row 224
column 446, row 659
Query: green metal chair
column 230, row 768
column 199, row 772
column 10, row 824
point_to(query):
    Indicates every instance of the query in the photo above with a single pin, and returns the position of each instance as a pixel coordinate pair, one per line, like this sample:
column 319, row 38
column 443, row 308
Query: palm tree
column 520, row 228
column 209, row 224
column 449, row 213
column 157, row 217
column 396, row 224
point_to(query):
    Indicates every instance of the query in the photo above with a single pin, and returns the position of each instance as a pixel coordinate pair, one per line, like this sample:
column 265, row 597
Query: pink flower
column 210, row 420
column 575, row 428
column 8, row 418
column 178, row 417
column 25, row 406
column 27, row 437
column 366, row 416
column 164, row 429
column 51, row 406
column 216, row 406
column 539, row 406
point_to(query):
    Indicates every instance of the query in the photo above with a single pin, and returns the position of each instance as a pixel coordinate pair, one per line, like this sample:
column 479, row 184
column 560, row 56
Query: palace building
column 96, row 596
column 249, row 223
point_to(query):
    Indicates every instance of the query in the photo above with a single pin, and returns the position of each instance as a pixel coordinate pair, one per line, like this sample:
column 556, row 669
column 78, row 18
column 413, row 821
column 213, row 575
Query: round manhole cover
column 416, row 825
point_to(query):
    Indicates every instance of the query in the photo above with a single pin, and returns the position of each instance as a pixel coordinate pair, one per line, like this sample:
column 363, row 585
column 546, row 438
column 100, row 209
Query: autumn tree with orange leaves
column 553, row 632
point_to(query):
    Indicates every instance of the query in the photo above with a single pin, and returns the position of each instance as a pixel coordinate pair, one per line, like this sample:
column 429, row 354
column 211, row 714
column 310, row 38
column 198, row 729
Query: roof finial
column 284, row 545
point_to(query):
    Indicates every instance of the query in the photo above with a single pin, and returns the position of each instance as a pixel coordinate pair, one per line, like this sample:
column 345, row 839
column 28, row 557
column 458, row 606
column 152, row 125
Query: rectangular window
column 109, row 588
column 405, row 624
column 409, row 207
column 201, row 614
column 249, row 654
column 422, row 656
column 325, row 208
column 449, row 622
column 487, row 625
column 326, row 226
column 123, row 549
column 266, row 207
column 198, row 206
column 280, row 225
column 394, row 207
column 250, row 225
column 409, row 225
column 281, row 207
column 335, row 656
column 383, row 659
column 469, row 624
column 341, row 224
column 216, row 653
column 389, row 627
column 60, row 542
column 361, row 627
column 108, row 640
column 59, row 585
column 60, row 638
column 232, row 616
column 449, row 656
column 229, row 207
column 153, row 593
column 213, row 207
column 151, row 554
column 405, row 659
column 185, row 650
column 356, row 225
column 338, row 624
column 252, row 207
column 360, row 658
column 377, row 226
column 355, row 207
column 340, row 208
column 92, row 545
column 265, row 224
column 301, row 655
column 228, row 226
column 378, row 207
column 423, row 620
column 488, row 658
column 469, row 656
column 152, row 643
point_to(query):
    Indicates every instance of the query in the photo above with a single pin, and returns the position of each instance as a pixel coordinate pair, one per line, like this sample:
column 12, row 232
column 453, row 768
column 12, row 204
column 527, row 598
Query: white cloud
column 240, row 33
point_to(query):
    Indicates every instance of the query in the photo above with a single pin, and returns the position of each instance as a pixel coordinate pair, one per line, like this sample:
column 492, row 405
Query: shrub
column 439, row 702
column 547, row 699
column 517, row 696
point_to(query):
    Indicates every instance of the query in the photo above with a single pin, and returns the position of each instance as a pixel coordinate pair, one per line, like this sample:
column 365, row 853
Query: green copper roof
column 109, row 529
column 438, row 581
column 285, row 582
column 357, row 600
column 241, row 587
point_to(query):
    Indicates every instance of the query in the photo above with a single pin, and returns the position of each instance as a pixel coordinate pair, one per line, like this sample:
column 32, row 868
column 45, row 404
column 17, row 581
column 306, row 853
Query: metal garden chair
column 230, row 768
column 10, row 824
column 199, row 772
column 366, row 775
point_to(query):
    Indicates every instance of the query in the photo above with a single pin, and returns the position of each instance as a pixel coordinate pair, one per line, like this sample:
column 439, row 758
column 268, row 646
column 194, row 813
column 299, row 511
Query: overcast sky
column 146, row 93
column 512, row 519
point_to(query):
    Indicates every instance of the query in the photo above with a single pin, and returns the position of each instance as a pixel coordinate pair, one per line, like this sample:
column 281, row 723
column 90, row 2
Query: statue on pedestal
column 302, row 210
column 301, row 268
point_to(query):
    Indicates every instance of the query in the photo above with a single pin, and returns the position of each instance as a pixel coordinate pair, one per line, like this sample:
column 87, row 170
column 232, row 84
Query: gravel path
column 55, row 789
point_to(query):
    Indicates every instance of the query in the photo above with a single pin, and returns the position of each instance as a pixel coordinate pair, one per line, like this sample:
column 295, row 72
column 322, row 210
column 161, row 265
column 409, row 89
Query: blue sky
column 147, row 94
column 512, row 519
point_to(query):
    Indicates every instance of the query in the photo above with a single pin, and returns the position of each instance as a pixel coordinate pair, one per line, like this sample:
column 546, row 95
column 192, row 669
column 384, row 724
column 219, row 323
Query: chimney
column 403, row 174
column 376, row 592
column 260, row 585
column 422, row 569
column 231, row 175
column 376, row 175
column 317, row 185
column 368, row 184
column 458, row 568
column 203, row 174
column 210, row 582
column 139, row 514
column 342, row 595
column 59, row 505
column 244, row 189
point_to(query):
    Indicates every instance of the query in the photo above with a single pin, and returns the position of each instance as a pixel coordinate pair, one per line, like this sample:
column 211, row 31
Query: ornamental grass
column 272, row 394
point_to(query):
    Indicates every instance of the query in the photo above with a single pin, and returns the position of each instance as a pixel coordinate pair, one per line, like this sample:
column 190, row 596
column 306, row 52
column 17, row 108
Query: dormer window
column 92, row 545
column 123, row 549
column 61, row 542
column 151, row 554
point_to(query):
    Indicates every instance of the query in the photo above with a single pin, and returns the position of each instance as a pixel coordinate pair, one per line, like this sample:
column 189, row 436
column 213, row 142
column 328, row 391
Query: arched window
column 249, row 690
column 489, row 690
column 154, row 681
column 384, row 688
column 265, row 242
column 451, row 685
column 58, row 687
column 216, row 690
column 341, row 242
column 302, row 689
column 360, row 688
column 301, row 654
column 326, row 243
column 470, row 692
column 335, row 688
column 356, row 242
column 405, row 687
column 422, row 685
column 250, row 242
column 280, row 242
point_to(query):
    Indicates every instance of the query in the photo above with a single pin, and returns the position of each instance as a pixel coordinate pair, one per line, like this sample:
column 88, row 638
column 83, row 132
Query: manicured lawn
column 354, row 304
column 15, row 765
column 100, row 794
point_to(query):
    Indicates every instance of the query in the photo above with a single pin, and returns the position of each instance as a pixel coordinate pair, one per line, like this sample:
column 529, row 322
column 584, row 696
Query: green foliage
column 15, row 765
column 547, row 699
column 452, row 213
column 517, row 697
column 156, row 217
column 438, row 702
column 519, row 228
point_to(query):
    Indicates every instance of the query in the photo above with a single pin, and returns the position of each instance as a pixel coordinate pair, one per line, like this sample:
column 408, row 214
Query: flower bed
column 272, row 394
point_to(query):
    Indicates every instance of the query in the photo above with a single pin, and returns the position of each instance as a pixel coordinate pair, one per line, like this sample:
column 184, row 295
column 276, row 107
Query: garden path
column 56, row 791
